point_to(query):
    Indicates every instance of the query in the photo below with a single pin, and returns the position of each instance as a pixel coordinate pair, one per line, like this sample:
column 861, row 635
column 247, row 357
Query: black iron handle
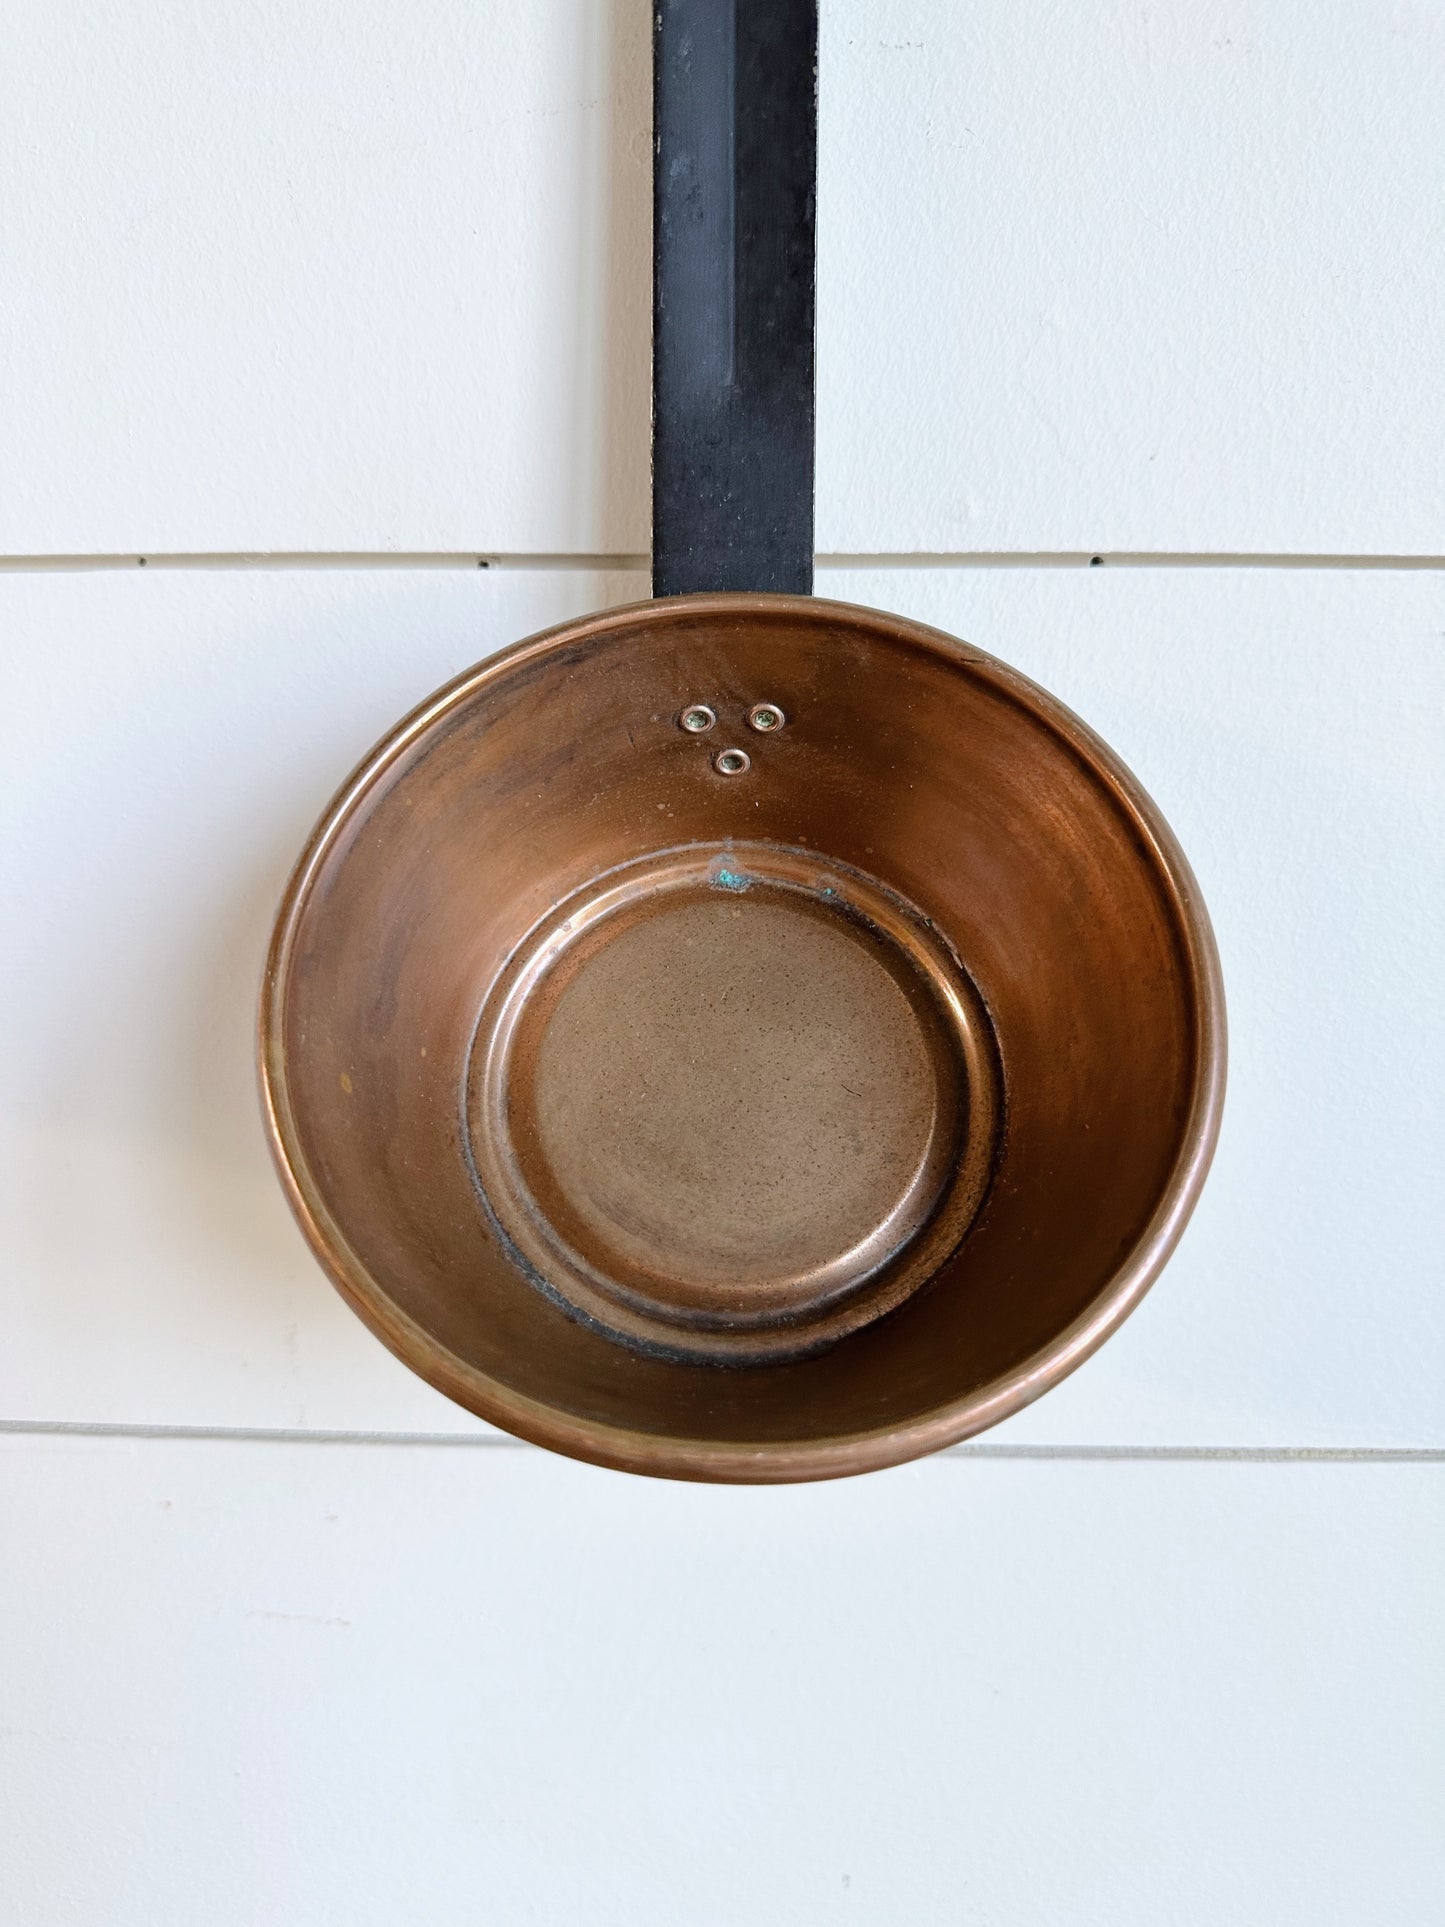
column 735, row 106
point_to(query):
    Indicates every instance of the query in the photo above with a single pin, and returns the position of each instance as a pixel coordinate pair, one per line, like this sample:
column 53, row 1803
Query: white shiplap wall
column 366, row 289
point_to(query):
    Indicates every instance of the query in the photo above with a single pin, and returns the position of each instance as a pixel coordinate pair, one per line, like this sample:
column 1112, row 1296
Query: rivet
column 697, row 718
column 732, row 762
column 765, row 717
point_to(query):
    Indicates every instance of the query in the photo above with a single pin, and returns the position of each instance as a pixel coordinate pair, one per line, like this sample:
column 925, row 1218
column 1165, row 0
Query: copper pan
column 742, row 1037
column 739, row 1036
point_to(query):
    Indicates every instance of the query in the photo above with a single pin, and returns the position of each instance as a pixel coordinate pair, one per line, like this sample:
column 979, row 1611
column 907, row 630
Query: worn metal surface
column 735, row 123
column 733, row 1100
column 626, row 1134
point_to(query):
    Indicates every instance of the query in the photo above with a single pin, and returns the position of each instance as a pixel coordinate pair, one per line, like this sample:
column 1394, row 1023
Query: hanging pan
column 741, row 1036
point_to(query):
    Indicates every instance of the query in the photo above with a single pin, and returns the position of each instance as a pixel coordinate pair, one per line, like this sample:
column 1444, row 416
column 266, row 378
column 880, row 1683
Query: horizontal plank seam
column 1169, row 1454
column 279, row 560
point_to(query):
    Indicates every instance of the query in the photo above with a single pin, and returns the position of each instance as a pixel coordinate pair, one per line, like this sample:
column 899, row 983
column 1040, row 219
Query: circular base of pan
column 732, row 1101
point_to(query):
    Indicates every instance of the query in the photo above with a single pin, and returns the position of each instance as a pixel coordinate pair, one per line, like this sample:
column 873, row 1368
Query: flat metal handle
column 735, row 119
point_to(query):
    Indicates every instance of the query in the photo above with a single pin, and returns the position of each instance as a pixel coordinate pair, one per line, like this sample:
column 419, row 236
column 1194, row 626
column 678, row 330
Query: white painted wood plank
column 375, row 1685
column 1092, row 277
column 1292, row 726
column 1132, row 277
column 283, row 276
column 168, row 739
column 170, row 735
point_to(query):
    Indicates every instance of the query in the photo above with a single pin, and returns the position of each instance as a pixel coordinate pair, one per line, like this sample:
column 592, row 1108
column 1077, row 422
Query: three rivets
column 698, row 718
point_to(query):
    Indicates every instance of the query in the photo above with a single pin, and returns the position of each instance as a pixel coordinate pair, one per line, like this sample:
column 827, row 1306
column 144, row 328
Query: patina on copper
column 756, row 1126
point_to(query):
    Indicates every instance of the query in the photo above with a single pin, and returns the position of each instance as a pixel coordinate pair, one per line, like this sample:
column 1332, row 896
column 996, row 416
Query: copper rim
column 717, row 629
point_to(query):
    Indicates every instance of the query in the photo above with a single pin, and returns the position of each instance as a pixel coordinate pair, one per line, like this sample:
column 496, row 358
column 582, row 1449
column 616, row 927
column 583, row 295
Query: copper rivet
column 697, row 718
column 766, row 716
column 732, row 762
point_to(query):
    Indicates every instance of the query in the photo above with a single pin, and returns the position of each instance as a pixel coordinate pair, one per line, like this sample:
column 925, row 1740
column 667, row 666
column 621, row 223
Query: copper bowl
column 742, row 1037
